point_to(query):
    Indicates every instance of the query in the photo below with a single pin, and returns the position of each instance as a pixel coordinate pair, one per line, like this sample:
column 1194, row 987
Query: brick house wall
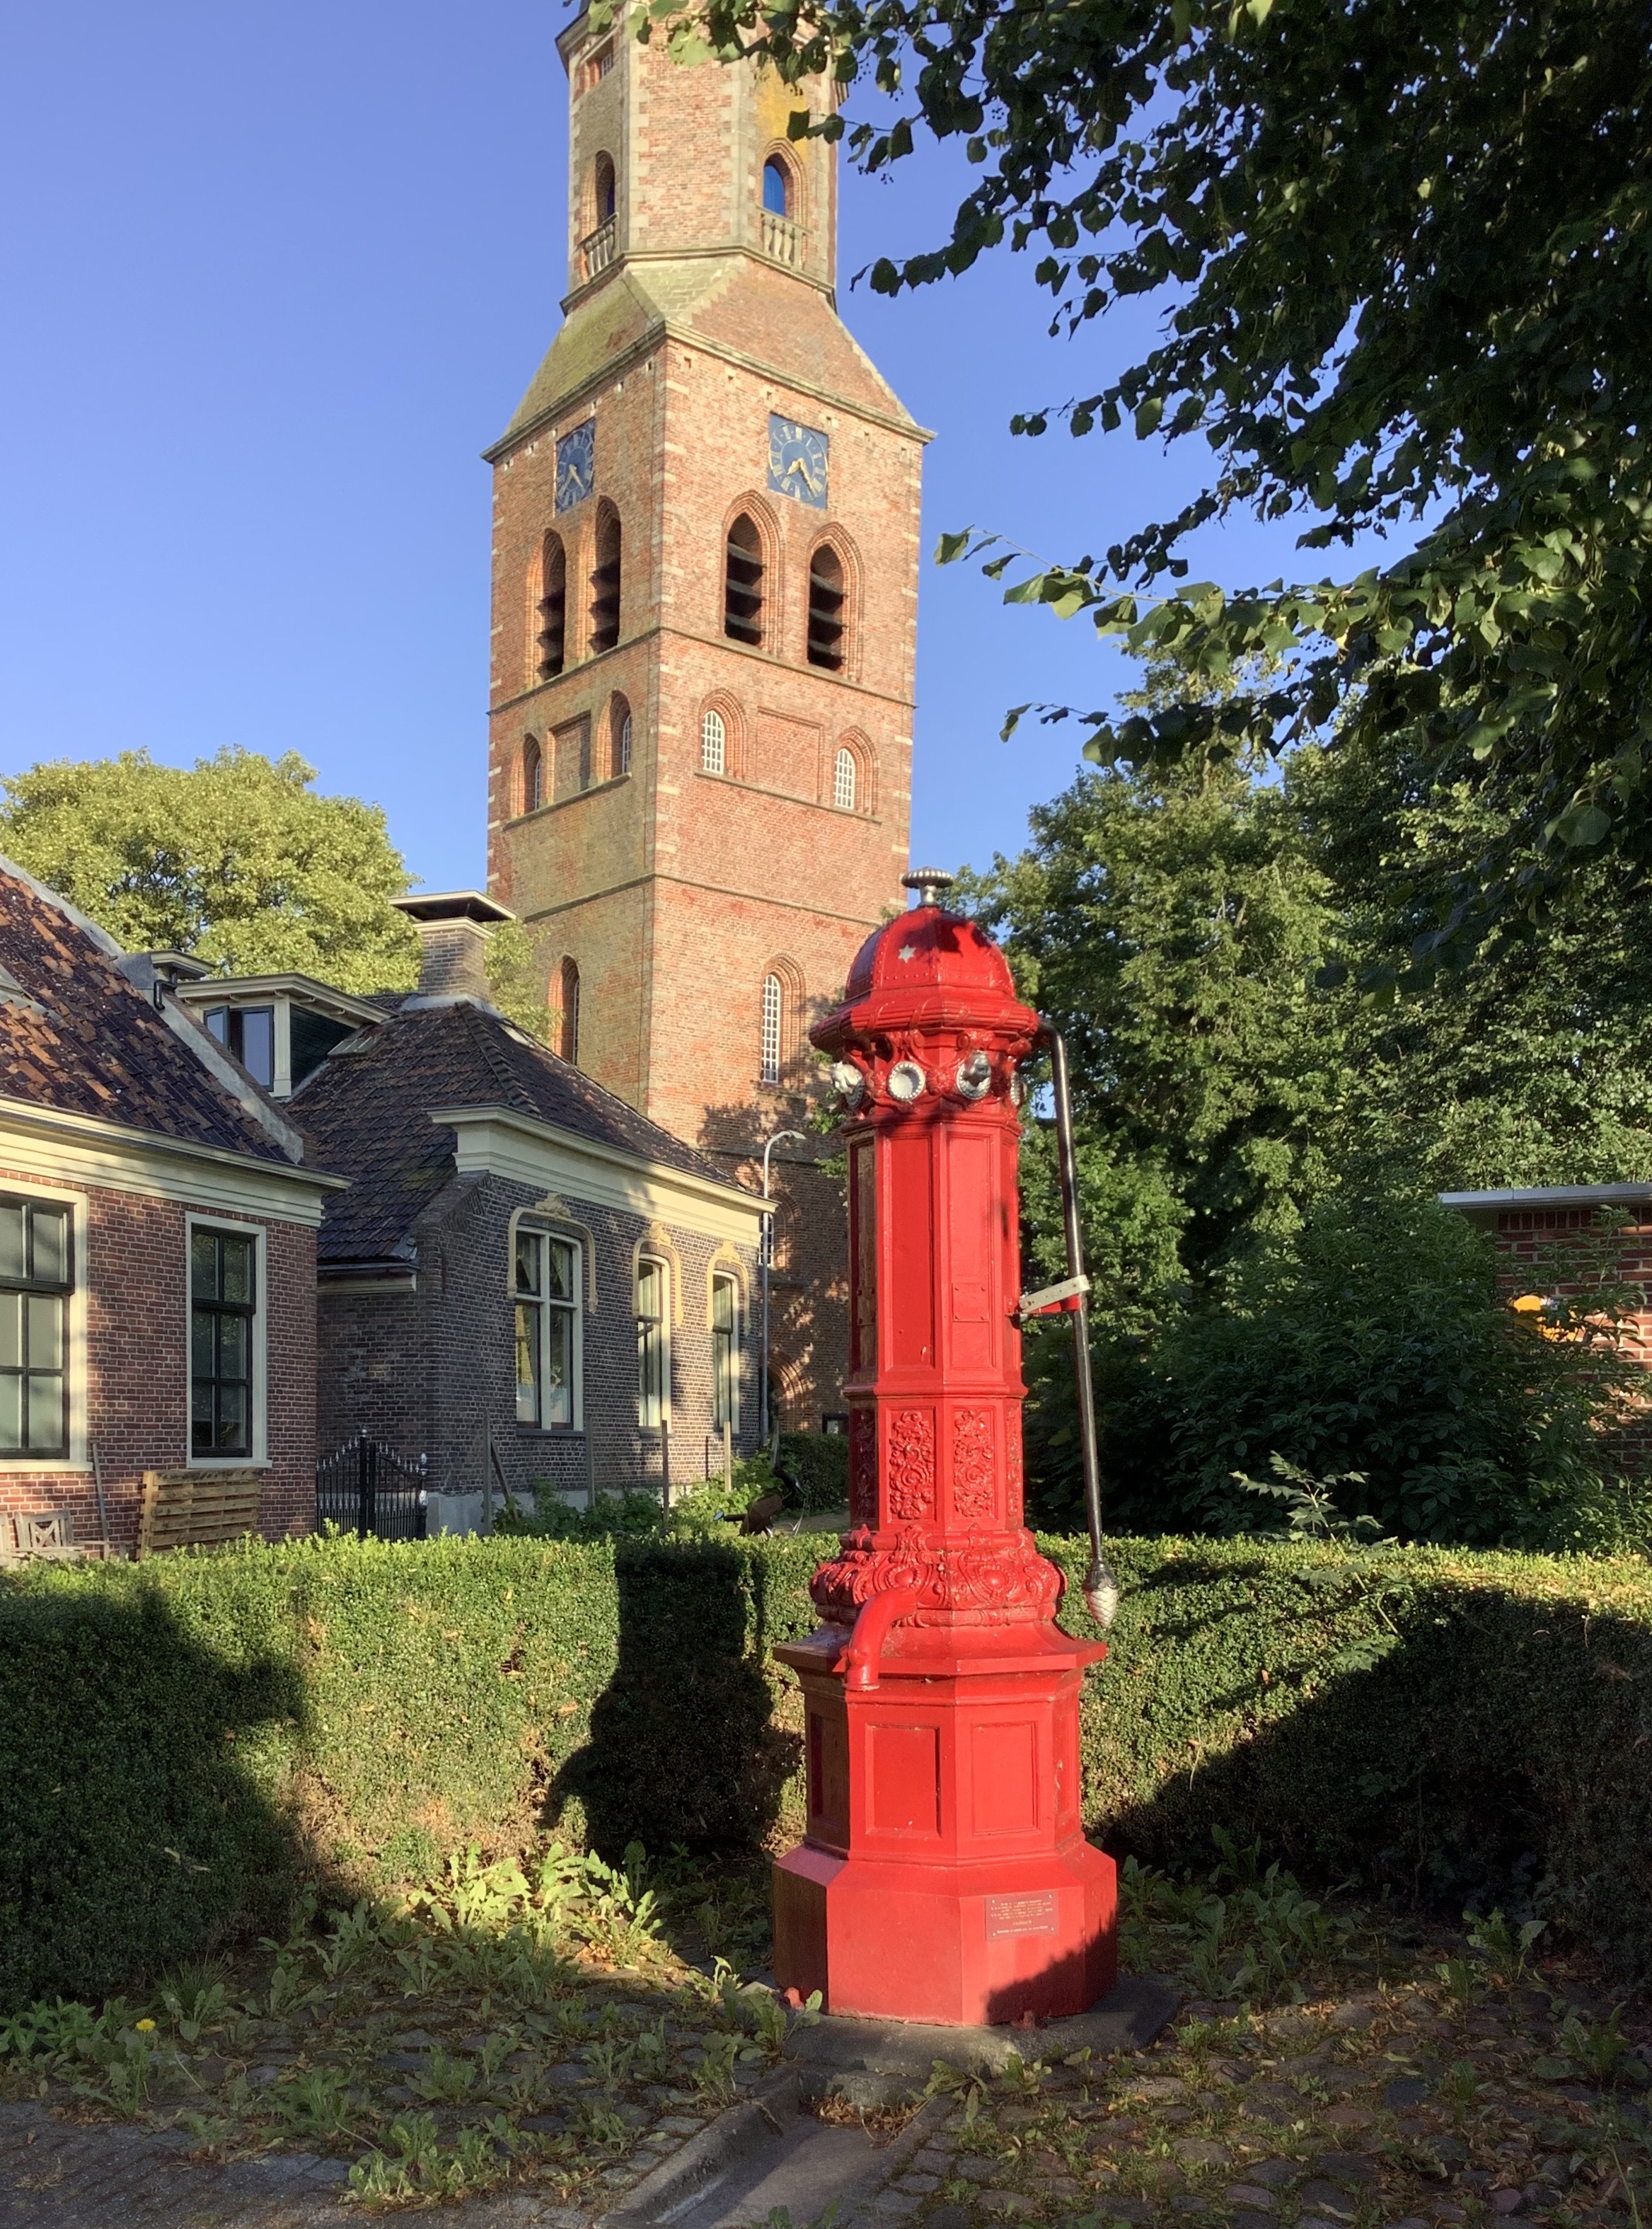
column 1565, row 1250
column 673, row 890
column 136, row 1255
column 429, row 1366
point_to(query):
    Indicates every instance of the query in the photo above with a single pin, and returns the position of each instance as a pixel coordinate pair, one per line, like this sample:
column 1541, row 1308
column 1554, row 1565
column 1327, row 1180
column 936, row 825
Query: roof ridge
column 521, row 1099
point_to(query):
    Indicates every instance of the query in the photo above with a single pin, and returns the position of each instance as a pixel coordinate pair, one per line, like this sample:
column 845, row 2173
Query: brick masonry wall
column 432, row 1372
column 137, row 1367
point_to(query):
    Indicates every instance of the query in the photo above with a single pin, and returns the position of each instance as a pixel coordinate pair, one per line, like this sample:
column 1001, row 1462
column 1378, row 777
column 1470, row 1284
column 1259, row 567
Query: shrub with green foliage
column 182, row 1742
column 1371, row 1343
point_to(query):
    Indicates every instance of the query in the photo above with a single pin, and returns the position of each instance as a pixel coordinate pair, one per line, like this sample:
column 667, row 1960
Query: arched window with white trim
column 713, row 742
column 774, row 1013
column 845, row 782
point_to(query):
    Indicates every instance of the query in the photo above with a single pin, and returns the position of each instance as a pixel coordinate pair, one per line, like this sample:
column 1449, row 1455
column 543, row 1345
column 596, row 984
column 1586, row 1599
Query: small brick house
column 158, row 1244
column 528, row 1283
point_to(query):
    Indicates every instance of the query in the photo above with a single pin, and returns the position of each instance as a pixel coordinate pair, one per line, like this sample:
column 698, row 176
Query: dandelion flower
column 145, row 2028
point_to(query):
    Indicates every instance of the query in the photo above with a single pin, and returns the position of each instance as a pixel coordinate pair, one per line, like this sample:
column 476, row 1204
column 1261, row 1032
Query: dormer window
column 248, row 1034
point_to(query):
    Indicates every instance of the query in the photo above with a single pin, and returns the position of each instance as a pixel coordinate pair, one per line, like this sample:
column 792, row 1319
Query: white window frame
column 713, row 741
column 658, row 1261
column 845, row 779
column 532, row 1226
column 625, row 744
column 79, row 1456
column 772, row 1049
column 736, row 1351
column 259, row 1458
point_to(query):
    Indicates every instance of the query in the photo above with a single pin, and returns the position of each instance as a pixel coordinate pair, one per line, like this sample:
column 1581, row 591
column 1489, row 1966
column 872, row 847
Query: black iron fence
column 364, row 1487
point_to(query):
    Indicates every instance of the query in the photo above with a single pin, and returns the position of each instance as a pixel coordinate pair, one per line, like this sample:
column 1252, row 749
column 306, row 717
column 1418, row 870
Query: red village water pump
column 945, row 1875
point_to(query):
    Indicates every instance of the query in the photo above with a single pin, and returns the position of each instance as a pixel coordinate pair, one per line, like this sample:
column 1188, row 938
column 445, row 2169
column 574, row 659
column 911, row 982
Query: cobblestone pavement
column 1423, row 2079
column 1426, row 2079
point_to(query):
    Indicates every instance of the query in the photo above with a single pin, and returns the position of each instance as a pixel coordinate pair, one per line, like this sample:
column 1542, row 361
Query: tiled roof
column 83, row 1039
column 366, row 1113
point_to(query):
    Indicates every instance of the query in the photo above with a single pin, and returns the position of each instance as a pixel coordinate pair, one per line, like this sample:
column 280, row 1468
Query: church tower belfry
column 705, row 583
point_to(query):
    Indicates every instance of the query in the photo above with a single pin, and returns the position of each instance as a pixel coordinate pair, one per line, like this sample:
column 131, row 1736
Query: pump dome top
column 929, row 949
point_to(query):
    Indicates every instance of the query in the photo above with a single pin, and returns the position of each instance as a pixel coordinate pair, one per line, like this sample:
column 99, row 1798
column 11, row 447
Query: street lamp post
column 766, row 1257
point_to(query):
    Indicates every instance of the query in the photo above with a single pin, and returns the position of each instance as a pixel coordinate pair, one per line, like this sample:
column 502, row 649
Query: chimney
column 453, row 930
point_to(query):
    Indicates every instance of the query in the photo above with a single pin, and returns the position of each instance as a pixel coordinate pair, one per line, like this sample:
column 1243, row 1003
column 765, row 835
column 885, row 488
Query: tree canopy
column 1405, row 256
column 235, row 859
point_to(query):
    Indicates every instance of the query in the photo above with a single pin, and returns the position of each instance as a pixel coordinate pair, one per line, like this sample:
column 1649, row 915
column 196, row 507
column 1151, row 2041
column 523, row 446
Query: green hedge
column 181, row 1741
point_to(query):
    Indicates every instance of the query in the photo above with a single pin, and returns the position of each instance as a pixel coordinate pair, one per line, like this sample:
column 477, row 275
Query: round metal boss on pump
column 906, row 1082
column 973, row 1077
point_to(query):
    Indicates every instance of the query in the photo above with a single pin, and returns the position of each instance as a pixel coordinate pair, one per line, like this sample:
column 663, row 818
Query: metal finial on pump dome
column 932, row 883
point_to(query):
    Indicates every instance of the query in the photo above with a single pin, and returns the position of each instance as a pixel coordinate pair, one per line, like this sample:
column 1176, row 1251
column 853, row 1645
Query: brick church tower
column 705, row 594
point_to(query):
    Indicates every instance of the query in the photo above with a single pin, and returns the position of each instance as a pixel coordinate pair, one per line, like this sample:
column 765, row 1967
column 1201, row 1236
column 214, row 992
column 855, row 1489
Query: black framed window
column 223, row 1306
column 36, row 1278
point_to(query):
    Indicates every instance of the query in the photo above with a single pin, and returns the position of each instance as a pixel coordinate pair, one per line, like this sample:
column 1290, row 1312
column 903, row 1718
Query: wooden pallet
column 196, row 1509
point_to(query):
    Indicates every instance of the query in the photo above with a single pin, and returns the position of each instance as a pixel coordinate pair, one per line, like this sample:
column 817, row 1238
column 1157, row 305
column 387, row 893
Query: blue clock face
column 797, row 461
column 576, row 464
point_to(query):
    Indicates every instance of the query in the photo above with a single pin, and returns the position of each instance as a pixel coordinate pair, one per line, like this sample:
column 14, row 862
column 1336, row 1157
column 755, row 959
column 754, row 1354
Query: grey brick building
column 527, row 1282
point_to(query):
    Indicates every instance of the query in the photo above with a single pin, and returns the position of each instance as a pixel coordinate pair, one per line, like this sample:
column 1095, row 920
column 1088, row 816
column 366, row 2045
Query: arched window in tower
column 743, row 583
column 619, row 738
column 713, row 742
column 607, row 191
column 826, row 598
column 777, row 188
column 533, row 775
column 774, row 1013
column 604, row 584
column 550, row 641
column 843, row 783
column 568, row 1028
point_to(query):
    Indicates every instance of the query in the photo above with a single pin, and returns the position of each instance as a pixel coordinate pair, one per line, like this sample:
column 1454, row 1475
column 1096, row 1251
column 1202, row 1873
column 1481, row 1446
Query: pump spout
column 1100, row 1587
column 864, row 1652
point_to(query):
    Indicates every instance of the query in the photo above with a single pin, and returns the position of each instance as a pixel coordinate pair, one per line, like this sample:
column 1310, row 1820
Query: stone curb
column 884, row 2165
column 757, row 2119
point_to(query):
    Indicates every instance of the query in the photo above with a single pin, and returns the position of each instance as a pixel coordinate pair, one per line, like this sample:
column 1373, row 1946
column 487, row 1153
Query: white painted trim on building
column 523, row 1149
column 1552, row 1196
column 61, row 1147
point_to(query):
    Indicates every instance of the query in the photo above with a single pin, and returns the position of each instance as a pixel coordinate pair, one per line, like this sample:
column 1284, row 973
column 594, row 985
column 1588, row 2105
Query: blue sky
column 273, row 277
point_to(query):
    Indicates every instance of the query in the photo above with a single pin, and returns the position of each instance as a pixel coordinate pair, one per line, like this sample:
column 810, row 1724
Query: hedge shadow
column 684, row 1752
column 136, row 1828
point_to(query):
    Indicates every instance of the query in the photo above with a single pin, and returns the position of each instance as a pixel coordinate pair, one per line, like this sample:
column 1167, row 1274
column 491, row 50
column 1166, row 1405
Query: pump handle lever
column 1100, row 1587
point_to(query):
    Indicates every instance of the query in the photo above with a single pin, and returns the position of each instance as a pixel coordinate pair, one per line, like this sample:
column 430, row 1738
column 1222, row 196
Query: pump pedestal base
column 945, row 1877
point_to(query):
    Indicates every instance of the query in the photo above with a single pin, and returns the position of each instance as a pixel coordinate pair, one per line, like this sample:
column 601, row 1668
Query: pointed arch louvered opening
column 743, row 584
column 827, row 597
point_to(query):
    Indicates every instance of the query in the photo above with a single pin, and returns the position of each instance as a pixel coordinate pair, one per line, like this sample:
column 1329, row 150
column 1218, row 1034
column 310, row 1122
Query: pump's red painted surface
column 945, row 1875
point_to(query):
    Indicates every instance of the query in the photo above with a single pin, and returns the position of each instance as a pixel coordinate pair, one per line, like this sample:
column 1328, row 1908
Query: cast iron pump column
column 945, row 1875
